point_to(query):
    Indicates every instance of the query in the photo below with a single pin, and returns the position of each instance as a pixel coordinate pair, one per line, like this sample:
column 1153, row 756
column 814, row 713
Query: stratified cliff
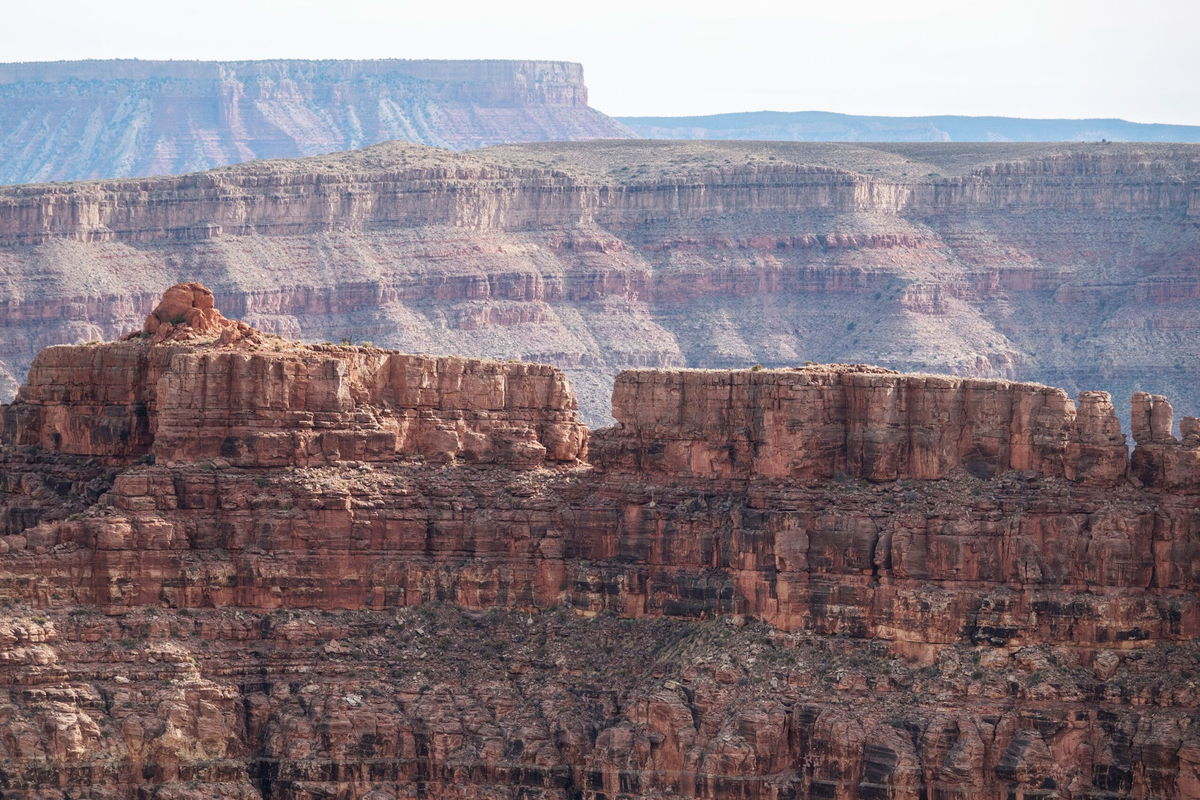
column 73, row 120
column 1073, row 265
column 221, row 579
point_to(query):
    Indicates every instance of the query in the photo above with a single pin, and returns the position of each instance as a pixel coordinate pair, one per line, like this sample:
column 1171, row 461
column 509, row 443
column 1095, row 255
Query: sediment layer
column 1069, row 264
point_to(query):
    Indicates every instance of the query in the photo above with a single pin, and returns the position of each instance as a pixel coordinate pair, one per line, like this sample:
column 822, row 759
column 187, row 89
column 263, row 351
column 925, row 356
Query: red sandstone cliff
column 171, row 392
column 861, row 422
column 226, row 574
column 1070, row 264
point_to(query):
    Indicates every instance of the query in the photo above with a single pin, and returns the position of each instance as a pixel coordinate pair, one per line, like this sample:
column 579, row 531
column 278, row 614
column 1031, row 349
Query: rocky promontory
column 237, row 566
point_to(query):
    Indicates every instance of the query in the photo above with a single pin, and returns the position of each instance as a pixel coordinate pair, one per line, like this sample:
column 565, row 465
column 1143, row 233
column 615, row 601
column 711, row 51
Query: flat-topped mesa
column 826, row 421
column 195, row 115
column 193, row 385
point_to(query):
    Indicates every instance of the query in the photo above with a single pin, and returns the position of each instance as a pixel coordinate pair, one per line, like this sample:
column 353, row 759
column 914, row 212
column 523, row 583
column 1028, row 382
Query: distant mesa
column 78, row 120
column 73, row 120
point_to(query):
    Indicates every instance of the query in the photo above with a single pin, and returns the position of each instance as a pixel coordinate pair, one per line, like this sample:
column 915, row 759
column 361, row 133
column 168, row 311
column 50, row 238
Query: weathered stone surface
column 89, row 400
column 829, row 582
column 852, row 421
column 326, row 404
column 432, row 701
column 187, row 311
column 228, row 395
column 189, row 304
column 1161, row 460
column 962, row 561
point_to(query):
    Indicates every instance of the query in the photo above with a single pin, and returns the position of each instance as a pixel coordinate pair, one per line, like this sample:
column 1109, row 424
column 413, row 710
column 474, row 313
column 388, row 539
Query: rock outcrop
column 1159, row 458
column 260, row 569
column 187, row 311
column 1073, row 265
column 74, row 120
column 823, row 422
column 193, row 385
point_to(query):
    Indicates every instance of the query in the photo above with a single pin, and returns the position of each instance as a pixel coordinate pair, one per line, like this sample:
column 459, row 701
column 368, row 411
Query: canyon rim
column 1070, row 264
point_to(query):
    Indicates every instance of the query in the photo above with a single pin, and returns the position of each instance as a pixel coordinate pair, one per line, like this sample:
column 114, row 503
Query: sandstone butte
column 234, row 566
column 1074, row 265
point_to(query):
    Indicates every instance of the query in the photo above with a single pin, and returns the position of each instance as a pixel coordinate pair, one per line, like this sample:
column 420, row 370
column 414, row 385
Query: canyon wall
column 73, row 120
column 1071, row 265
column 828, row 582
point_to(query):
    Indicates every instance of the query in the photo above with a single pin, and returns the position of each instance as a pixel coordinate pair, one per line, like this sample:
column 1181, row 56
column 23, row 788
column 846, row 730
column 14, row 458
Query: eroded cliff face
column 857, row 421
column 234, row 566
column 171, row 393
column 112, row 119
column 1070, row 264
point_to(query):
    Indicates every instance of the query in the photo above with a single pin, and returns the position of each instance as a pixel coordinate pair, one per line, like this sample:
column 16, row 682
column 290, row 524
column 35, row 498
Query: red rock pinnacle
column 187, row 311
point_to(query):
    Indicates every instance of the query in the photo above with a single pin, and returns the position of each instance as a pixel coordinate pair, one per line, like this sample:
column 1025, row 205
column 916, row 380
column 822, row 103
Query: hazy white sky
column 1137, row 59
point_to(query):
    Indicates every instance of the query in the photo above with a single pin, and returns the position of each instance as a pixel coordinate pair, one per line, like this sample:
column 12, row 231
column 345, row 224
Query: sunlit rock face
column 238, row 566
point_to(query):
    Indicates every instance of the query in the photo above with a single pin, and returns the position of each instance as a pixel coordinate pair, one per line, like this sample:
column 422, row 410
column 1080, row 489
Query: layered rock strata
column 235, row 398
column 1073, row 265
column 861, row 422
column 828, row 582
column 109, row 119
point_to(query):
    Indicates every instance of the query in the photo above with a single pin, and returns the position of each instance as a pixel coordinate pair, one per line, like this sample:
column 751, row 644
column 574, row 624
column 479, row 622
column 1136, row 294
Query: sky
column 1050, row 58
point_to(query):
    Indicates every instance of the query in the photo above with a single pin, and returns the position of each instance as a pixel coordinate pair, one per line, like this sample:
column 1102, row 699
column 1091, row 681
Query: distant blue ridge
column 826, row 126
